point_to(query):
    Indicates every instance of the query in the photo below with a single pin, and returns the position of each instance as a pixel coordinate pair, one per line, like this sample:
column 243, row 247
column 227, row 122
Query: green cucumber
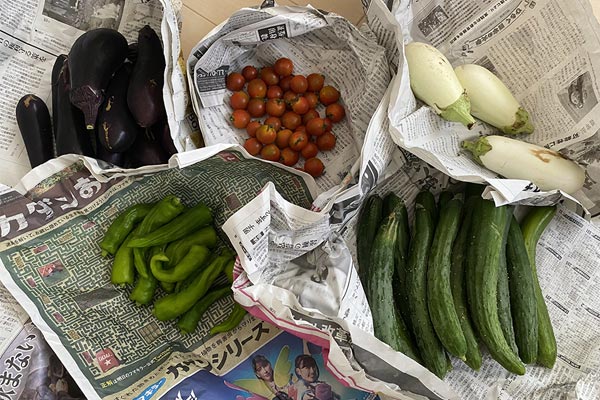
column 401, row 260
column 390, row 201
column 522, row 294
column 431, row 350
column 457, row 282
column 482, row 265
column 368, row 222
column 532, row 227
column 444, row 199
column 503, row 296
column 439, row 294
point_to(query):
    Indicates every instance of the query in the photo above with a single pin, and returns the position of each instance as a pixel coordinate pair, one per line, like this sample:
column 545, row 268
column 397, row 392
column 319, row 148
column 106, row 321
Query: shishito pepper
column 194, row 259
column 121, row 227
column 234, row 319
column 177, row 249
column 175, row 304
column 189, row 321
column 123, row 269
column 186, row 223
column 144, row 289
column 163, row 212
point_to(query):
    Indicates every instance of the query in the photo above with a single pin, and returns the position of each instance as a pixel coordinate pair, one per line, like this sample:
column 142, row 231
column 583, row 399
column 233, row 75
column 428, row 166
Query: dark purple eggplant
column 93, row 59
column 162, row 133
column 132, row 52
column 69, row 124
column 115, row 126
column 145, row 96
column 117, row 159
column 56, row 68
column 34, row 123
column 146, row 151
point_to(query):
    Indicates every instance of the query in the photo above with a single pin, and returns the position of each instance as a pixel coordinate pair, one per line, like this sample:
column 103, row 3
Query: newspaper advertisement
column 34, row 34
column 546, row 52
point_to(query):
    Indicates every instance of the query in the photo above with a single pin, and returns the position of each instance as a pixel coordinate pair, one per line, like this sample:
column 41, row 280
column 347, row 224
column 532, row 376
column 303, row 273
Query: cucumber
column 482, row 264
column 444, row 199
column 427, row 201
column 368, row 222
column 532, row 227
column 439, row 294
column 390, row 201
column 388, row 325
column 431, row 350
column 503, row 296
column 401, row 260
column 522, row 294
column 457, row 282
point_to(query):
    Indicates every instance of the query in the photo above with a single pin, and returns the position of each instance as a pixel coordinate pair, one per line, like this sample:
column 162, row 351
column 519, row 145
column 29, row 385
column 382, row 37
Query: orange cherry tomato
column 289, row 157
column 283, row 67
column 240, row 118
column 253, row 146
column 235, row 81
column 310, row 150
column 314, row 166
column 299, row 84
column 239, row 100
column 283, row 138
column 315, row 82
column 335, row 112
column 329, row 95
column 252, row 127
column 326, row 141
column 270, row 152
column 298, row 141
column 266, row 134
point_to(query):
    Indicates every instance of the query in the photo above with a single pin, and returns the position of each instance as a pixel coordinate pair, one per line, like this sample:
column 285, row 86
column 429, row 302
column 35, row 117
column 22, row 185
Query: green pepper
column 175, row 304
column 144, row 289
column 189, row 321
column 228, row 270
column 122, row 226
column 186, row 223
column 177, row 249
column 163, row 212
column 195, row 258
column 167, row 286
column 234, row 319
column 123, row 270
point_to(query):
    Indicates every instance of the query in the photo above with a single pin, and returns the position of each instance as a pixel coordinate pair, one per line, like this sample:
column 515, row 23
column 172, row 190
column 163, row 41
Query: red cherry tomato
column 283, row 67
column 326, row 141
column 312, row 113
column 269, row 76
column 240, row 118
column 311, row 150
column 315, row 127
column 252, row 127
column 275, row 107
column 289, row 157
column 300, row 105
column 256, row 107
column 266, row 134
column 284, row 83
column 270, row 152
column 291, row 120
column 298, row 141
column 235, row 81
column 328, row 124
column 299, row 84
column 329, row 95
column 314, row 166
column 283, row 138
column 289, row 97
column 249, row 73
column 274, row 92
column 274, row 123
column 335, row 112
column 239, row 100
column 257, row 88
column 315, row 82
column 312, row 98
column 252, row 146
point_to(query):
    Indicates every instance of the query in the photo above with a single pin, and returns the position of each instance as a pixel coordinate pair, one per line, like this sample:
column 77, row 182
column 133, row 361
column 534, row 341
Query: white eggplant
column 514, row 159
column 433, row 81
column 491, row 101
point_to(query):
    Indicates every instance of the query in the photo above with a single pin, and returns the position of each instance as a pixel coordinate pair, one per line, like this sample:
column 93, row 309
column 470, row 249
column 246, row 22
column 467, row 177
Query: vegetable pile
column 294, row 126
column 466, row 276
column 169, row 245
column 107, row 103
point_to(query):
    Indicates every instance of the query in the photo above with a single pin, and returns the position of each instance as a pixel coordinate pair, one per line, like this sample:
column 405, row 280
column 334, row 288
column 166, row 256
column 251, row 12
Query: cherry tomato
column 274, row 123
column 239, row 100
column 235, row 81
column 299, row 84
column 283, row 67
column 300, row 105
column 289, row 97
column 312, row 113
column 269, row 76
column 291, row 120
column 310, row 150
column 252, row 146
column 284, row 83
column 274, row 92
column 312, row 98
column 328, row 124
column 256, row 107
column 240, row 118
column 266, row 134
column 298, row 141
column 252, row 127
column 329, row 95
column 314, row 166
column 315, row 82
column 257, row 88
column 283, row 138
column 289, row 157
column 275, row 107
column 315, row 126
column 326, row 141
column 249, row 73
column 301, row 128
column 335, row 112
column 270, row 152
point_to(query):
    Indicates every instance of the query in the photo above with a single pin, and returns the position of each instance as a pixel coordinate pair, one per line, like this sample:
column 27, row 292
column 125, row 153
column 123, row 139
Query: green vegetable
column 387, row 322
column 390, row 202
column 482, row 265
column 439, row 293
column 368, row 222
column 188, row 322
column 457, row 283
column 234, row 319
column 532, row 227
column 167, row 286
column 504, row 314
column 400, row 262
column 175, row 304
column 196, row 258
column 183, row 225
column 144, row 289
column 431, row 350
column 123, row 269
column 444, row 199
column 122, row 226
column 522, row 294
column 228, row 270
column 177, row 249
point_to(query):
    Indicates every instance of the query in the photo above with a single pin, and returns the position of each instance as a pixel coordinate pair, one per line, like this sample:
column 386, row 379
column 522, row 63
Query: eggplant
column 145, row 93
column 56, row 68
column 117, row 159
column 115, row 126
column 34, row 123
column 146, row 151
column 69, row 124
column 162, row 133
column 93, row 59
column 132, row 52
